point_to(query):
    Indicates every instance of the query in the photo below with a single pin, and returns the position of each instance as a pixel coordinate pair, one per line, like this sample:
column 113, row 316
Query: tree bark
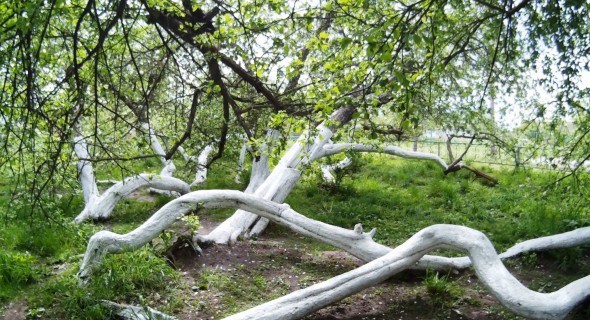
column 169, row 166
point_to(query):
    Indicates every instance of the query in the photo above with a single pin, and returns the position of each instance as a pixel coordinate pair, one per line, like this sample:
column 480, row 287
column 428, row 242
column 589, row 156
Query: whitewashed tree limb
column 487, row 263
column 101, row 207
column 329, row 168
column 241, row 159
column 201, row 162
column 281, row 179
column 355, row 242
column 201, row 174
column 488, row 267
column 185, row 155
column 558, row 241
column 85, row 170
column 169, row 167
column 332, row 149
column 303, row 151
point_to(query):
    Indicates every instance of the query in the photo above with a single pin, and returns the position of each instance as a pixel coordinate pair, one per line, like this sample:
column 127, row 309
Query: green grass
column 400, row 197
column 397, row 197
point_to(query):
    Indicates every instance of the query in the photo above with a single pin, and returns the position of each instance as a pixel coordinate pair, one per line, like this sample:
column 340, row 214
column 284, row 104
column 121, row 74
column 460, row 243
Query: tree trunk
column 169, row 166
column 276, row 187
column 241, row 160
column 201, row 174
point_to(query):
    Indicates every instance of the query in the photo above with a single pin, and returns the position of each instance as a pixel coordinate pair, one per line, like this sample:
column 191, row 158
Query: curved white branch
column 327, row 169
column 243, row 223
column 355, row 242
column 332, row 149
column 100, row 207
column 488, row 267
column 558, row 241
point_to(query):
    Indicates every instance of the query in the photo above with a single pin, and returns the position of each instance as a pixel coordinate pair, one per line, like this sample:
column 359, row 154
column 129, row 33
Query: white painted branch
column 85, row 170
column 486, row 262
column 488, row 267
column 332, row 149
column 328, row 168
column 101, row 206
column 243, row 223
column 169, row 166
column 130, row 312
column 356, row 242
column 201, row 175
column 559, row 241
column 185, row 155
column 241, row 160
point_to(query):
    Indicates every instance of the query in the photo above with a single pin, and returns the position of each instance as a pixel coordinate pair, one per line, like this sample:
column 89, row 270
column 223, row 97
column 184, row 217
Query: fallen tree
column 411, row 254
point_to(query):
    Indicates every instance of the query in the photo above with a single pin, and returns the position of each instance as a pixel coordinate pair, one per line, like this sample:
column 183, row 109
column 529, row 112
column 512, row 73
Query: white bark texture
column 481, row 253
column 101, row 207
column 241, row 159
column 332, row 149
column 85, row 170
column 303, row 151
column 169, row 167
column 327, row 169
column 201, row 175
column 487, row 265
column 276, row 187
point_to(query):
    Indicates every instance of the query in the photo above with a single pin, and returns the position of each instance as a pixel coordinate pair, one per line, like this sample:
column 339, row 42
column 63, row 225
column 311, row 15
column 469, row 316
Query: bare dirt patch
column 16, row 310
column 229, row 279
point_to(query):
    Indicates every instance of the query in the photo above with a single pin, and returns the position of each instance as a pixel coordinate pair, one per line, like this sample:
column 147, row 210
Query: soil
column 282, row 257
column 16, row 310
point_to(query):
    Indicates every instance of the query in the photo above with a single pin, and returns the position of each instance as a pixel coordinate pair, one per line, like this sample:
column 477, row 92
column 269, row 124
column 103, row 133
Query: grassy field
column 40, row 256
